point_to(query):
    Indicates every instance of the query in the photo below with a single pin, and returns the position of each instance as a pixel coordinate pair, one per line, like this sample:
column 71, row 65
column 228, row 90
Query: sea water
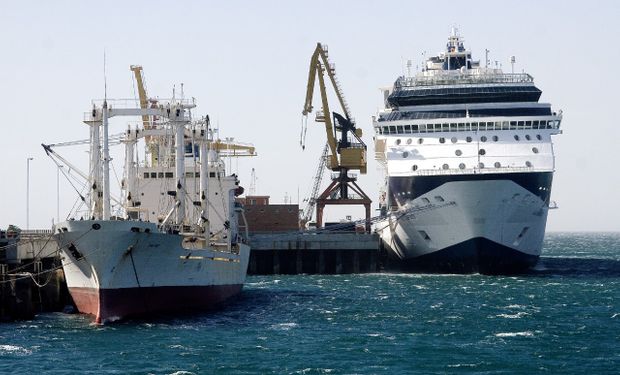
column 562, row 317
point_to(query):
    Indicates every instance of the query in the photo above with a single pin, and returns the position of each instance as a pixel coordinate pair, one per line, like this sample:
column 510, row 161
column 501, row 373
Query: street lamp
column 28, row 192
column 58, row 193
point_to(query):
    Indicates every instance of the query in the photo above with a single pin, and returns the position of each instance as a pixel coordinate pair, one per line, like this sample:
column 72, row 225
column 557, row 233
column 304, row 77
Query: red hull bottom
column 115, row 304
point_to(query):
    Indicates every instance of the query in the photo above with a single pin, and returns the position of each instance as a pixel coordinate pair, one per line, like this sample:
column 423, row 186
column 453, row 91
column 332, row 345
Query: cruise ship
column 171, row 240
column 467, row 152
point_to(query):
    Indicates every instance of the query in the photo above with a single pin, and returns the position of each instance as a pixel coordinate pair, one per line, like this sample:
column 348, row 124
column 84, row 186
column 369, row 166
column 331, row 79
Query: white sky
column 246, row 64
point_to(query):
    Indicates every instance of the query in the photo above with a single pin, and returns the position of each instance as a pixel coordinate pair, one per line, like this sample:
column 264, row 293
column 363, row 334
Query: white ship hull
column 128, row 268
column 487, row 226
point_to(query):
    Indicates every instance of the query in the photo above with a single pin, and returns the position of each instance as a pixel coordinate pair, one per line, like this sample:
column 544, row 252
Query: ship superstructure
column 472, row 146
column 171, row 241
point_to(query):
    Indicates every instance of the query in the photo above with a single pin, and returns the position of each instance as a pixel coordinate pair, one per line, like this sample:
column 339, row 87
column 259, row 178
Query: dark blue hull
column 477, row 255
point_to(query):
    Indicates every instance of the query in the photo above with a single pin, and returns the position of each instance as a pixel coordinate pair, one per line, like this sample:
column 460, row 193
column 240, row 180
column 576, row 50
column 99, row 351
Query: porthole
column 527, row 136
column 480, row 165
column 420, row 141
column 458, row 152
column 96, row 226
column 397, row 141
column 468, row 139
column 409, row 141
column 528, row 164
column 482, row 151
column 405, row 154
column 414, row 168
column 516, row 137
column 462, row 166
column 483, row 138
column 442, row 140
column 495, row 138
column 453, row 139
column 445, row 166
column 535, row 150
column 538, row 137
column 497, row 164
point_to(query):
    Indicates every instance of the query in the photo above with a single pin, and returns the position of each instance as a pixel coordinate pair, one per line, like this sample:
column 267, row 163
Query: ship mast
column 106, row 164
column 177, row 111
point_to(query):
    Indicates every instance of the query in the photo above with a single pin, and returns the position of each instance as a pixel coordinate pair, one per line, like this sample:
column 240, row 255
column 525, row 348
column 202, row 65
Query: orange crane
column 347, row 151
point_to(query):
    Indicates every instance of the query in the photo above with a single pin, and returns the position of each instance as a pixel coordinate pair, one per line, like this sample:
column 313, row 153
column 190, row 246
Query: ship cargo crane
column 347, row 151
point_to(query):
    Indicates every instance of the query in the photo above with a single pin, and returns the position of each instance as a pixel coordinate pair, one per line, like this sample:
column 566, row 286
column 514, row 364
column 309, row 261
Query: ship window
column 453, row 139
column 212, row 174
column 458, row 152
column 446, row 128
column 420, row 141
column 497, row 164
column 516, row 137
column 528, row 124
column 513, row 125
column 482, row 152
column 453, row 127
column 505, row 125
column 392, row 130
column 438, row 127
column 467, row 126
column 386, row 130
column 483, row 138
column 462, row 166
column 528, row 164
column 414, row 168
column 468, row 139
column 535, row 150
column 498, row 126
column 424, row 235
column 168, row 175
column 495, row 138
column 481, row 165
column 405, row 154
column 445, row 166
column 461, row 127
column 409, row 141
column 153, row 174
column 422, row 128
column 189, row 174
column 399, row 129
column 520, row 124
column 538, row 137
column 535, row 124
column 146, row 174
column 407, row 128
column 442, row 140
column 414, row 128
column 527, row 136
column 397, row 142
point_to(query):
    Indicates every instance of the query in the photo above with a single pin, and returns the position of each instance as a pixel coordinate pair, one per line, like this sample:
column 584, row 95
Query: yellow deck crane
column 347, row 151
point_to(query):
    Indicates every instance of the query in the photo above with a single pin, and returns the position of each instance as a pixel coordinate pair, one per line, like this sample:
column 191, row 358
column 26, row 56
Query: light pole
column 28, row 192
column 58, row 193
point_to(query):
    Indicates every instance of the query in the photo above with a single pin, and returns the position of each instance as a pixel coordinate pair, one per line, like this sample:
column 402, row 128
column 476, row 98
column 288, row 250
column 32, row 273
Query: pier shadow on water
column 576, row 267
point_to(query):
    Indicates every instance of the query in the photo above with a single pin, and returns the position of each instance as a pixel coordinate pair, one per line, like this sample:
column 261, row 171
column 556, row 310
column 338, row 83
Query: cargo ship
column 470, row 149
column 171, row 241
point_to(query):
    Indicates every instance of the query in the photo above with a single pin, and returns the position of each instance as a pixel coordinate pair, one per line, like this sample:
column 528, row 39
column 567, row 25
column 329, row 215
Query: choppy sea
column 562, row 317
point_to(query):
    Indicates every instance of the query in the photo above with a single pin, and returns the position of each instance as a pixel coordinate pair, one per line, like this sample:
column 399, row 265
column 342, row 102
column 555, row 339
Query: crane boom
column 137, row 71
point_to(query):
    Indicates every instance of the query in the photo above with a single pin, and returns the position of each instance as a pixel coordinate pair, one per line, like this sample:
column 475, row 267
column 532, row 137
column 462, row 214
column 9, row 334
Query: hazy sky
column 246, row 64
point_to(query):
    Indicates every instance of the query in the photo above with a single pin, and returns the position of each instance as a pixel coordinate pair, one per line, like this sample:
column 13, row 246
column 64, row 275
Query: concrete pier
column 313, row 253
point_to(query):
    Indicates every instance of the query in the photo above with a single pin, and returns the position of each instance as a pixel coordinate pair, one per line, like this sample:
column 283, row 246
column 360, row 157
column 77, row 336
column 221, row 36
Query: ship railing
column 459, row 78
column 135, row 103
column 452, row 171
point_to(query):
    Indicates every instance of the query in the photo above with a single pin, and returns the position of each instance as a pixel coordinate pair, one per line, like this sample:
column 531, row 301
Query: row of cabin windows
column 481, row 152
column 468, row 139
column 481, row 165
column 171, row 175
column 469, row 126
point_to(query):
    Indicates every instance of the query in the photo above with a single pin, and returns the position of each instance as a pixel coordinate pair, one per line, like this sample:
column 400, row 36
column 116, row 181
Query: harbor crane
column 346, row 150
